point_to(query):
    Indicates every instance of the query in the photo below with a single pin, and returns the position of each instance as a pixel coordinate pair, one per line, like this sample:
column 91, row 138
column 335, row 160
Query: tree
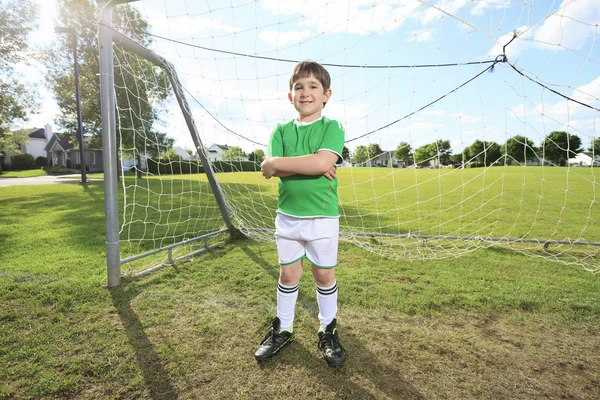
column 439, row 149
column 559, row 146
column 170, row 155
column 257, row 156
column 374, row 150
column 595, row 147
column 442, row 150
column 360, row 155
column 346, row 153
column 404, row 153
column 519, row 148
column 482, row 154
column 456, row 159
column 17, row 19
column 234, row 153
column 422, row 154
column 10, row 142
column 139, row 86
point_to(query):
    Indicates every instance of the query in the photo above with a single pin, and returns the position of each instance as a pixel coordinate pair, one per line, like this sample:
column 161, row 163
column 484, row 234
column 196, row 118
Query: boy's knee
column 290, row 274
column 323, row 276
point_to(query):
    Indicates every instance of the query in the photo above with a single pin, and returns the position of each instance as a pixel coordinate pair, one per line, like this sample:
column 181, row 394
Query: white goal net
column 468, row 124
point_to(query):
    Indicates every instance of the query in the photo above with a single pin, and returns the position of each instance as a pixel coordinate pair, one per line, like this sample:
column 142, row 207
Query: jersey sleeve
column 275, row 147
column 333, row 139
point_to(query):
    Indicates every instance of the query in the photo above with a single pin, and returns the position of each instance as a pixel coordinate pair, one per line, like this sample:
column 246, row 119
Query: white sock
column 327, row 299
column 286, row 303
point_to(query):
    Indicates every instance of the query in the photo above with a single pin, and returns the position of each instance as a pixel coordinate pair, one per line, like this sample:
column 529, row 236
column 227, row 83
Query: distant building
column 584, row 160
column 58, row 150
column 62, row 153
column 215, row 151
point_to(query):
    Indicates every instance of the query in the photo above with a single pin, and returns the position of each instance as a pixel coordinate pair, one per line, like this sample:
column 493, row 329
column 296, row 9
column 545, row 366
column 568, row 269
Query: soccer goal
column 468, row 124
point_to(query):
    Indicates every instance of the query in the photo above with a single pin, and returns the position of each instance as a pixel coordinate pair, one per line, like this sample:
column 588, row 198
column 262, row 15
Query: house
column 62, row 153
column 215, row 151
column 584, row 160
column 385, row 159
column 37, row 140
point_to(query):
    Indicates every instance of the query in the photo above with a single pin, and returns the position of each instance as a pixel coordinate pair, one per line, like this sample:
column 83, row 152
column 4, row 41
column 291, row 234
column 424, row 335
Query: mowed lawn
column 493, row 323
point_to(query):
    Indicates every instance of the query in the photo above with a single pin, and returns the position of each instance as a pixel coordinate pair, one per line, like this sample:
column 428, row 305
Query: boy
column 303, row 153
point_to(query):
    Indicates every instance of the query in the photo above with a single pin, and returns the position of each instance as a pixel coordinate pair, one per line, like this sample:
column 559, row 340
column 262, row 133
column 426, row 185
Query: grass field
column 492, row 324
column 23, row 174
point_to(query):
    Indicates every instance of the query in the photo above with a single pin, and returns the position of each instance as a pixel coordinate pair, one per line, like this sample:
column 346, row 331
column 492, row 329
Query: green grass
column 23, row 174
column 491, row 324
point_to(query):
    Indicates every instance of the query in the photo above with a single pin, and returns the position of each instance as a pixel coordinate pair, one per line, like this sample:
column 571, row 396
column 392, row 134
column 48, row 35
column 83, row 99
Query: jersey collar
column 298, row 123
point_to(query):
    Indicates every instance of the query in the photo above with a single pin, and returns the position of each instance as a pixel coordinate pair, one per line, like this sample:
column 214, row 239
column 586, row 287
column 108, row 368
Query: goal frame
column 106, row 37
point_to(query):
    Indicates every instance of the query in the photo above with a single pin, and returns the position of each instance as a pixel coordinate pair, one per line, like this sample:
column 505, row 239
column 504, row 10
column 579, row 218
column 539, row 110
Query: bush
column 195, row 167
column 174, row 167
column 22, row 161
column 41, row 162
column 78, row 167
column 235, row 166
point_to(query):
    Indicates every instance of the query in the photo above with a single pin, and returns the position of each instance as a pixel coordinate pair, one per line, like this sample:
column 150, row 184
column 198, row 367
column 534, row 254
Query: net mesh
column 468, row 124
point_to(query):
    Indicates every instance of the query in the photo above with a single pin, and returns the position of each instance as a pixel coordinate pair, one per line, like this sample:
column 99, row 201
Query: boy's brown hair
column 304, row 69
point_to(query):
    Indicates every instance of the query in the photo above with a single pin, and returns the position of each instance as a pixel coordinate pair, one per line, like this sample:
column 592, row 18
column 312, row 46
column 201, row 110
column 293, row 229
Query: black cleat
column 330, row 345
column 274, row 341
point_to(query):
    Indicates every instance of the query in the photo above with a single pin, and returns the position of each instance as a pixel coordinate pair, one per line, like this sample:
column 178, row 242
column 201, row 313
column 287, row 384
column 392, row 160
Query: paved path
column 42, row 180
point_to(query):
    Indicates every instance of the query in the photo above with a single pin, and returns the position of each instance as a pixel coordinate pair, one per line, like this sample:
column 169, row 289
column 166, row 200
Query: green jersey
column 307, row 195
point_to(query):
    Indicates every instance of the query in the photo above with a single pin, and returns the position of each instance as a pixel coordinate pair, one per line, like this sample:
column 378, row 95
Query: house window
column 77, row 158
column 93, row 158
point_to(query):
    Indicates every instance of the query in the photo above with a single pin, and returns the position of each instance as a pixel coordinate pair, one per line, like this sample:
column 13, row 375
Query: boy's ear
column 327, row 95
column 290, row 97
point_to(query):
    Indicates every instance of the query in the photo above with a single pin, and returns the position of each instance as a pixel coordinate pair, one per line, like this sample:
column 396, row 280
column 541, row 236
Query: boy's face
column 308, row 96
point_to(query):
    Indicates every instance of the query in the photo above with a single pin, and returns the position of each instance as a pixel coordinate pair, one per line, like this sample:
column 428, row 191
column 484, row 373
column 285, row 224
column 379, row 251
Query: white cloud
column 420, row 36
column 359, row 16
column 279, row 39
column 430, row 112
column 567, row 114
column 572, row 26
column 185, row 26
column 482, row 5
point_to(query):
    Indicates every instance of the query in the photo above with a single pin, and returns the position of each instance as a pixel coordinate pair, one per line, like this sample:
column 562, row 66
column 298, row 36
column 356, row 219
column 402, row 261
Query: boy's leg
column 291, row 251
column 287, row 293
column 281, row 333
column 327, row 294
column 321, row 250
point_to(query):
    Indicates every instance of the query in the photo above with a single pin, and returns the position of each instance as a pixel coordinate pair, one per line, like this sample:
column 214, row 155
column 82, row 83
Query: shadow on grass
column 155, row 375
column 361, row 361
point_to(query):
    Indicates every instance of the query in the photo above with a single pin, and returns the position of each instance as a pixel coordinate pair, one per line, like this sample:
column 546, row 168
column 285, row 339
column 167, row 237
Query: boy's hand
column 331, row 173
column 267, row 167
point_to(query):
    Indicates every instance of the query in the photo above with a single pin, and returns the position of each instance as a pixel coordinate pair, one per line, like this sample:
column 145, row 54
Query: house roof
column 37, row 133
column 64, row 141
column 385, row 155
column 221, row 146
column 61, row 139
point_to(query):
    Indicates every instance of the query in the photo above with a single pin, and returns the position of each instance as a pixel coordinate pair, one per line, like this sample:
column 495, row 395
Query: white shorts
column 313, row 238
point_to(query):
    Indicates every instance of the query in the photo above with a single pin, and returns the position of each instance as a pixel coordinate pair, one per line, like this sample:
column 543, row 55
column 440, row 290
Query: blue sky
column 556, row 45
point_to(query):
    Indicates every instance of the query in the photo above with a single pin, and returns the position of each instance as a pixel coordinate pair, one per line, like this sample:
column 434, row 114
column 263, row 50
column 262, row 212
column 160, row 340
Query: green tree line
column 557, row 147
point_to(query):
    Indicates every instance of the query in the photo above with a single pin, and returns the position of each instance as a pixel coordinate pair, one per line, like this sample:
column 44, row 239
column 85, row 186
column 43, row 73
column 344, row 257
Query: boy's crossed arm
column 321, row 163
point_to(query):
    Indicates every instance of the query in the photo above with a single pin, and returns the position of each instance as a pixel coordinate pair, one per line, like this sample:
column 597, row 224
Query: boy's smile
column 308, row 98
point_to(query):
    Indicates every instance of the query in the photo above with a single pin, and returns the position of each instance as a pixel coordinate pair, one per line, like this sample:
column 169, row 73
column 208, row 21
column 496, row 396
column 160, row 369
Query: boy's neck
column 309, row 118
